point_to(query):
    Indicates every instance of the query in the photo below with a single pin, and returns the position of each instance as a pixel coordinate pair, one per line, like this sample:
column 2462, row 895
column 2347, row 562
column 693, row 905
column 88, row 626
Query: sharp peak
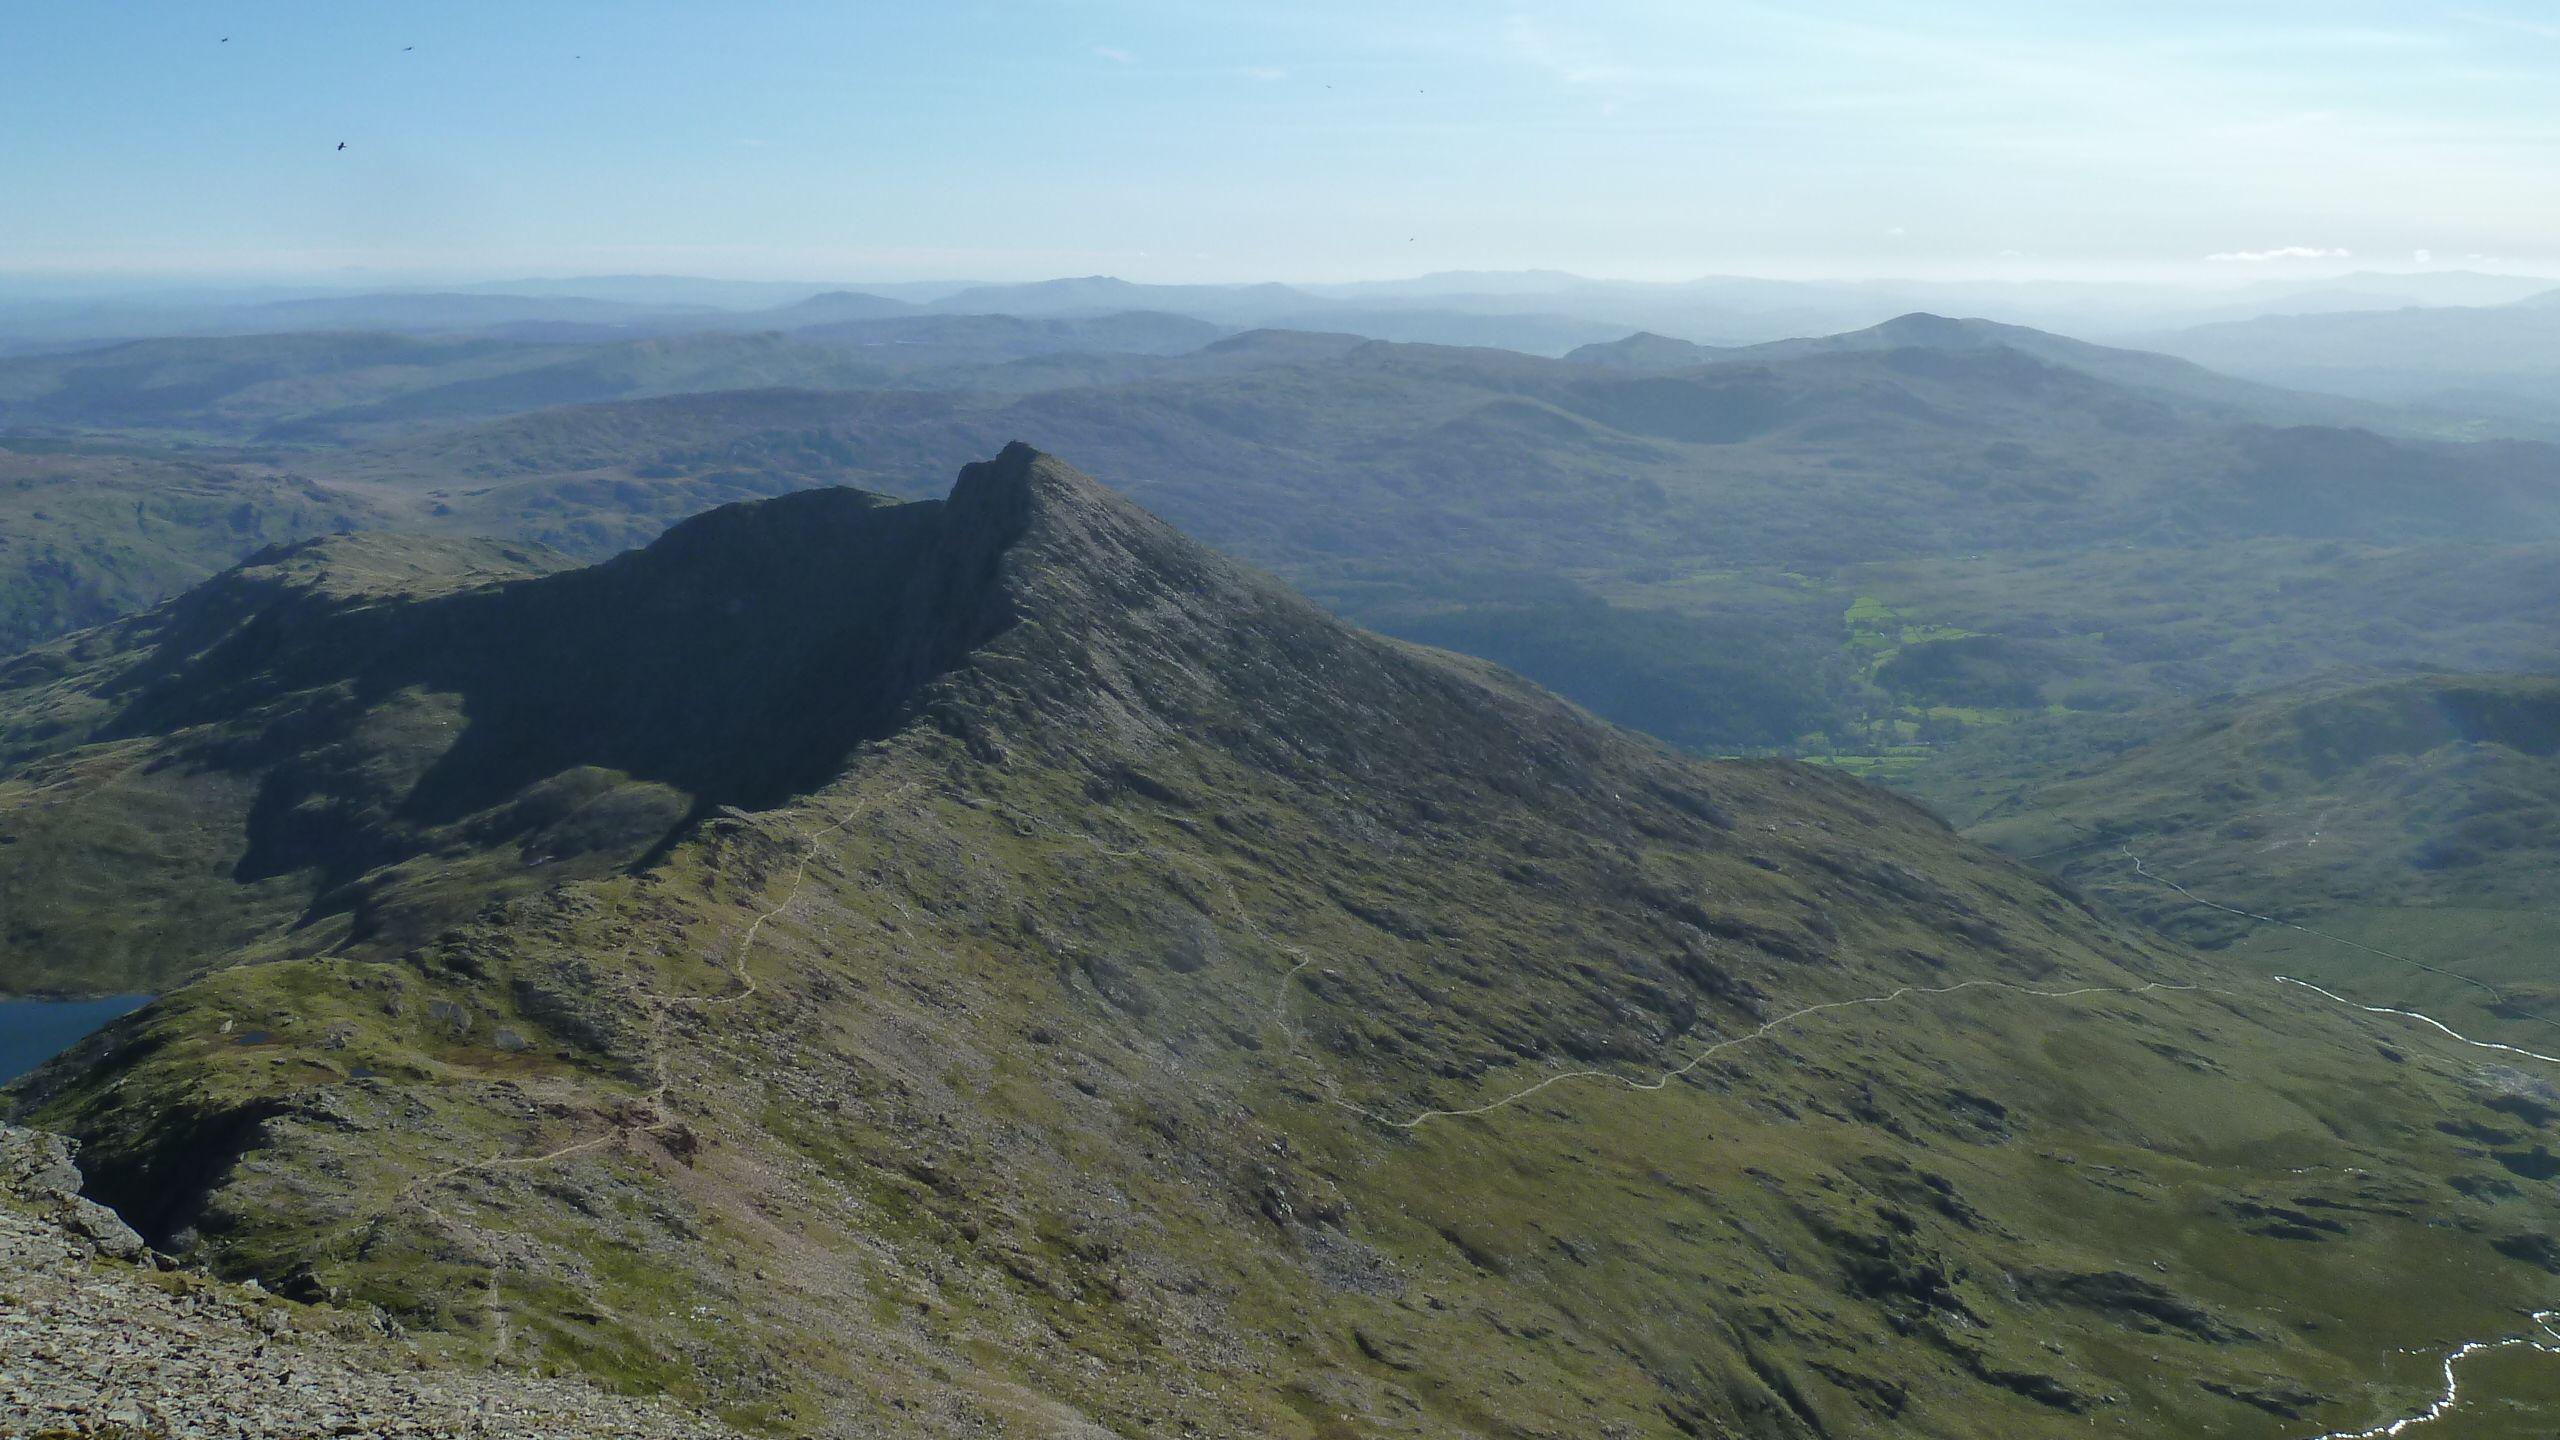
column 1021, row 477
column 1023, row 503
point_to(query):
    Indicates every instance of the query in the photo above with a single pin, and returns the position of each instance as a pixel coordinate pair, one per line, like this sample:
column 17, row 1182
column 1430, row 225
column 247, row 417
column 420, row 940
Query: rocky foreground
column 97, row 1339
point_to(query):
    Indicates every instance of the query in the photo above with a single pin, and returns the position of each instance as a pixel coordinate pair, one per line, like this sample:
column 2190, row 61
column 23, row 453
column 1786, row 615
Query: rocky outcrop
column 93, row 1343
column 37, row 1174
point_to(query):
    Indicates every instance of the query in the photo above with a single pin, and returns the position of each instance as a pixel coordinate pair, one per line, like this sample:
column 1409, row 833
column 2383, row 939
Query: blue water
column 34, row 1031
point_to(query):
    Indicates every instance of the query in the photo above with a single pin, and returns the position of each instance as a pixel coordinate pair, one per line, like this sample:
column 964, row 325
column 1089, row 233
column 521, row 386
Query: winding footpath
column 659, row 1121
column 2548, row 1340
column 1284, row 1018
column 2155, row 877
column 1665, row 1079
column 2145, row 872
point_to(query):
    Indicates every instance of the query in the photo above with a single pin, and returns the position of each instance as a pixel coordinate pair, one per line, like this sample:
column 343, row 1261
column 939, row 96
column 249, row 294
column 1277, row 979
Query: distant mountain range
column 1671, row 535
column 2135, row 369
column 2499, row 361
column 1538, row 311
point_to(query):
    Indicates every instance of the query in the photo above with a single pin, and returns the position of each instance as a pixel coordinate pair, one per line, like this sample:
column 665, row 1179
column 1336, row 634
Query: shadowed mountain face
column 1139, row 1002
column 323, row 722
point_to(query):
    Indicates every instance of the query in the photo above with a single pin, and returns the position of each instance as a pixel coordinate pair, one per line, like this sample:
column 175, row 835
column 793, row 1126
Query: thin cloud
column 1115, row 54
column 1265, row 72
column 2281, row 252
column 2536, row 28
column 1568, row 58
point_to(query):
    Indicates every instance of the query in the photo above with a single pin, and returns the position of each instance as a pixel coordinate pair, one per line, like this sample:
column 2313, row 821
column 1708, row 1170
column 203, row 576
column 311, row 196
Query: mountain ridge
column 1064, row 1055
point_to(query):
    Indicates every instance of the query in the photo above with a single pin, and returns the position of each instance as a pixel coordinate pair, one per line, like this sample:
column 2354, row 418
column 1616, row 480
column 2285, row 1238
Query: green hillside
column 2414, row 822
column 88, row 533
column 1136, row 1002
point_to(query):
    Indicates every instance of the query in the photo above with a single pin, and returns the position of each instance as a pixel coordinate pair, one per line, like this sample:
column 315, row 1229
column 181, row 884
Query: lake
column 34, row 1031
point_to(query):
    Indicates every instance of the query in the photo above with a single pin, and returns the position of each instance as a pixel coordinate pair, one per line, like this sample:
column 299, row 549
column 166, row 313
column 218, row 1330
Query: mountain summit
column 994, row 961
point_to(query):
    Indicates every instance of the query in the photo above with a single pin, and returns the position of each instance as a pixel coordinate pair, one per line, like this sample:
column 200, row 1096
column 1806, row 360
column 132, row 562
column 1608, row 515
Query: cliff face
column 1119, row 997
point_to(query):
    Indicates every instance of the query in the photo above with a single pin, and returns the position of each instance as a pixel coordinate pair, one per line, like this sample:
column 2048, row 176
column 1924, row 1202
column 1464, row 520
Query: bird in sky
column 226, row 39
column 342, row 144
column 407, row 48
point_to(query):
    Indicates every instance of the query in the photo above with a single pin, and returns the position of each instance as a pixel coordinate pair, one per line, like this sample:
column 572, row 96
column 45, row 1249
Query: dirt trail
column 658, row 1121
column 2420, row 1017
column 1665, row 1079
column 1284, row 1018
column 2157, row 878
column 2543, row 1320
column 2444, row 1404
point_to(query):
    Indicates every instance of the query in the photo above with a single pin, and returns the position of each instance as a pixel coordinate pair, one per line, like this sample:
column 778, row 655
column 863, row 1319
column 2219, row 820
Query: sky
column 1195, row 140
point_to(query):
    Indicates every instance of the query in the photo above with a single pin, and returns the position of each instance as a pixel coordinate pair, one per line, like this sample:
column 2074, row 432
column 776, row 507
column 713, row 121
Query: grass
column 2410, row 814
column 1038, row 1107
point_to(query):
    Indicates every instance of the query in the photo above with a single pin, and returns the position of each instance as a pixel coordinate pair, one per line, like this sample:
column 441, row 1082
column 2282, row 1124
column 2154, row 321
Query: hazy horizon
column 1987, row 141
column 356, row 280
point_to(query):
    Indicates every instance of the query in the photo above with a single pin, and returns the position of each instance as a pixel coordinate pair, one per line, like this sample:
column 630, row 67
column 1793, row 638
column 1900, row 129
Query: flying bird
column 342, row 144
column 407, row 48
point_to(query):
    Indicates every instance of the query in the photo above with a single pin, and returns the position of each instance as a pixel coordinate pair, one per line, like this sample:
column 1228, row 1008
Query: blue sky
column 1309, row 141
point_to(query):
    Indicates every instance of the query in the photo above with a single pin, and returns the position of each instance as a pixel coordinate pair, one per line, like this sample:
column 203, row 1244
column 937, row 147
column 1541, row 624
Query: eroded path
column 2544, row 1337
column 2547, row 1341
column 656, row 1119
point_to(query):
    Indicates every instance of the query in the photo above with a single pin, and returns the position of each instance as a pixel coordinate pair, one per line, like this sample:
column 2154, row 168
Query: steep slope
column 239, row 768
column 1177, row 1011
column 2413, row 821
